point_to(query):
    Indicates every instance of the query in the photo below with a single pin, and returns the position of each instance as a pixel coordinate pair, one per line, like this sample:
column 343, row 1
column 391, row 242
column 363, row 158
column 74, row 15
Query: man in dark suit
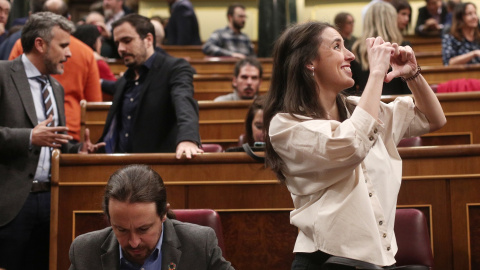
column 153, row 109
column 32, row 122
column 431, row 18
column 141, row 235
column 182, row 27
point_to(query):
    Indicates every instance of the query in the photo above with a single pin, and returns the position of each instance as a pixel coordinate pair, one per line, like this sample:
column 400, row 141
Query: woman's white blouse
column 344, row 178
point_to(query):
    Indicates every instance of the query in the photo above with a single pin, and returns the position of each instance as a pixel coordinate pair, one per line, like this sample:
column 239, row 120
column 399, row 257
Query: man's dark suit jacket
column 167, row 113
column 187, row 246
column 424, row 15
column 18, row 160
column 182, row 27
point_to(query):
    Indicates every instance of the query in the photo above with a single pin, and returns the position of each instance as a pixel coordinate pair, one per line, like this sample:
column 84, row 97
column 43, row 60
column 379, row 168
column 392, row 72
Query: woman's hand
column 379, row 54
column 403, row 63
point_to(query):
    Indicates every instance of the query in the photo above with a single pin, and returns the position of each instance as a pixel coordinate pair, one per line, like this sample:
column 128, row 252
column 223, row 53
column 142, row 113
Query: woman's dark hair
column 293, row 89
column 401, row 5
column 88, row 34
column 254, row 108
column 136, row 184
column 458, row 23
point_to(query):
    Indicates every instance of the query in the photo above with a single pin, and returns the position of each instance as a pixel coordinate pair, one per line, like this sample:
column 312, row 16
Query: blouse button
column 375, row 131
column 388, row 248
column 370, row 194
column 371, row 138
column 384, row 235
column 381, row 222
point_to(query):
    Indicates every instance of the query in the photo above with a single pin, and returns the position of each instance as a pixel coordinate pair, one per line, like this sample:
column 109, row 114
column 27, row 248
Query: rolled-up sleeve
column 328, row 149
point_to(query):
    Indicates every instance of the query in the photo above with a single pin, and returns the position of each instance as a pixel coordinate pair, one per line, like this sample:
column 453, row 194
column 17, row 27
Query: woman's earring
column 313, row 71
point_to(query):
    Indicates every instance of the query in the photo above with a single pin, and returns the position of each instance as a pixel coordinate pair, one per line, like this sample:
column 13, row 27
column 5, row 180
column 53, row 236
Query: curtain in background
column 20, row 8
column 272, row 20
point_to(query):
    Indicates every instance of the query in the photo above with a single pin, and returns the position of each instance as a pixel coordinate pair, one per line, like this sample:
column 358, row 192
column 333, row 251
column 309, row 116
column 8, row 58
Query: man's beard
column 50, row 66
column 238, row 26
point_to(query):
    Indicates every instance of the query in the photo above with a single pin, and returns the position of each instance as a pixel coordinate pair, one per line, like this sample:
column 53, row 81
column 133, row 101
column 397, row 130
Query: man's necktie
column 47, row 98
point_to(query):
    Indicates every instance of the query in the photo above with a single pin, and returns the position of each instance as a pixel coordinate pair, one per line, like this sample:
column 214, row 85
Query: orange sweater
column 81, row 80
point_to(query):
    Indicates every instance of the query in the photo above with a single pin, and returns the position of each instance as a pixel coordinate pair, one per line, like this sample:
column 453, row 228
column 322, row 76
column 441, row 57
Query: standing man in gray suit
column 32, row 123
column 141, row 236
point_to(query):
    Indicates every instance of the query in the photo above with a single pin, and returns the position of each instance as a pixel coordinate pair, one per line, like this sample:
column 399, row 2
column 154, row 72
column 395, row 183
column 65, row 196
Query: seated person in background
column 254, row 122
column 380, row 21
column 230, row 41
column 246, row 81
column 141, row 233
column 159, row 34
column 462, row 44
column 345, row 22
column 90, row 35
column 153, row 109
column 113, row 10
column 4, row 12
column 450, row 8
column 97, row 19
column 366, row 7
column 431, row 18
column 404, row 14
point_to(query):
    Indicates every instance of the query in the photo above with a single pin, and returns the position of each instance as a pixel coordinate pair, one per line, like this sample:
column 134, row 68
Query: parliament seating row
column 425, row 44
column 210, row 86
column 223, row 122
column 441, row 181
column 210, row 65
column 225, row 66
column 419, row 44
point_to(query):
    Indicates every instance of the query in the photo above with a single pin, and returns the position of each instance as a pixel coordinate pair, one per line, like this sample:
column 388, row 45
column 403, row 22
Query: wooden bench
column 222, row 65
column 442, row 181
column 429, row 58
column 211, row 65
column 223, row 122
column 188, row 52
column 425, row 44
column 440, row 74
column 208, row 86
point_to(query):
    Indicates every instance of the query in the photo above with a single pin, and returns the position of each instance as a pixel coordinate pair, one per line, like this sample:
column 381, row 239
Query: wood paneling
column 210, row 65
column 440, row 74
column 441, row 181
column 223, row 122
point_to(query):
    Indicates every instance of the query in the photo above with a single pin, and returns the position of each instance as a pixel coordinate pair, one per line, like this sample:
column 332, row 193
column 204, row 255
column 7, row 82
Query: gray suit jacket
column 188, row 246
column 18, row 160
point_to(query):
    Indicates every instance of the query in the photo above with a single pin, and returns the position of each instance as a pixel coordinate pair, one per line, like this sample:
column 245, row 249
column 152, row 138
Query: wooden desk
column 432, row 58
column 209, row 86
column 211, row 65
column 439, row 74
column 443, row 182
column 190, row 51
column 222, row 65
column 223, row 122
column 425, row 44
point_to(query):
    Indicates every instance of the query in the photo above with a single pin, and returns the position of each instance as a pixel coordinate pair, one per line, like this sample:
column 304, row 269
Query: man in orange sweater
column 81, row 79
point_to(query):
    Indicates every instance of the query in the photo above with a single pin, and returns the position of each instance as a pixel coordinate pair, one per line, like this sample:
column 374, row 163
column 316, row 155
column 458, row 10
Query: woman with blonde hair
column 380, row 21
